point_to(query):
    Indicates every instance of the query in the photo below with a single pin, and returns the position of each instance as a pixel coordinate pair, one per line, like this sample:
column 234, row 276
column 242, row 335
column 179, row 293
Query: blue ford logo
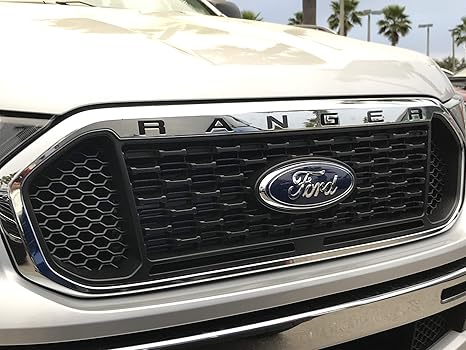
column 305, row 185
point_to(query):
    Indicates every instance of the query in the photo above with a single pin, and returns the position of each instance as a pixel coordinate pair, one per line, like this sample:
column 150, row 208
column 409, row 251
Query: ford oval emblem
column 304, row 185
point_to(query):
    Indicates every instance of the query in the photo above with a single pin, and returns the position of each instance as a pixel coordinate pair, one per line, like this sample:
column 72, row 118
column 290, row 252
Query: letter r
column 150, row 125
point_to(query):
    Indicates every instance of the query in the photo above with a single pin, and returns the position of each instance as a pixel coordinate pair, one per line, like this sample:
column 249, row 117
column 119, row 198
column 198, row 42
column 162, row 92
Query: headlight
column 14, row 131
column 457, row 109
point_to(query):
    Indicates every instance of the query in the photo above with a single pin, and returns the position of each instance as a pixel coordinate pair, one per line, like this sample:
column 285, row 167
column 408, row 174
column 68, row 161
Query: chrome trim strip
column 352, row 320
column 124, row 123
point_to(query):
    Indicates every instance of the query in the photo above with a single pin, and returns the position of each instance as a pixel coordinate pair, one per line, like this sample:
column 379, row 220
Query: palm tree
column 297, row 19
column 352, row 15
column 395, row 24
column 447, row 63
column 251, row 15
column 460, row 32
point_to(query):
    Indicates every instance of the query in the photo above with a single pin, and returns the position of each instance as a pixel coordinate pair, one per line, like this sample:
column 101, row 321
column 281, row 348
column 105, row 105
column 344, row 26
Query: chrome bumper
column 356, row 319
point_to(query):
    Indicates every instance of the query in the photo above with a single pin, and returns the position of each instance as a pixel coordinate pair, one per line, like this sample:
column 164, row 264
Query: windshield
column 142, row 5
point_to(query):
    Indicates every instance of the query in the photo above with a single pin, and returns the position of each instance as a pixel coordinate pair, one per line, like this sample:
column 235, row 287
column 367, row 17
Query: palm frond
column 352, row 18
column 395, row 23
column 251, row 15
column 298, row 18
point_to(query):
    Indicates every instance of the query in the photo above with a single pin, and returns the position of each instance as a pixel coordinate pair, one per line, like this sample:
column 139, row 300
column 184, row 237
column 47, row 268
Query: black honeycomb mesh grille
column 77, row 205
column 428, row 331
column 438, row 175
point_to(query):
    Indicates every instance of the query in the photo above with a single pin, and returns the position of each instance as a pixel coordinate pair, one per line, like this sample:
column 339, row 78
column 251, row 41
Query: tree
column 4, row 180
column 395, row 24
column 447, row 63
column 352, row 15
column 460, row 32
column 251, row 15
column 297, row 19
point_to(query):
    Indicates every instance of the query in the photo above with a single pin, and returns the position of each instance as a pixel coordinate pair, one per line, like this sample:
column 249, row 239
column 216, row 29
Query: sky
column 444, row 14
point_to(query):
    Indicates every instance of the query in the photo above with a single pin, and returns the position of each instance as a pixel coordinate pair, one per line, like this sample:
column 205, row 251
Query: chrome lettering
column 304, row 185
column 375, row 116
column 329, row 119
column 219, row 124
column 146, row 125
column 416, row 114
column 275, row 124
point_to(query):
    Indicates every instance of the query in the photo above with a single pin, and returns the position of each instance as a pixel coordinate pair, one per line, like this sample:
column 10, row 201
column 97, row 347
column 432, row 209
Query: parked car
column 461, row 91
column 459, row 81
column 461, row 73
column 227, row 8
column 447, row 72
column 170, row 176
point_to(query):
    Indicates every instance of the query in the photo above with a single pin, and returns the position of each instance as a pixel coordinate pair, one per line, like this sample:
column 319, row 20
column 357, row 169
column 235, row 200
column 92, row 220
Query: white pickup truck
column 170, row 176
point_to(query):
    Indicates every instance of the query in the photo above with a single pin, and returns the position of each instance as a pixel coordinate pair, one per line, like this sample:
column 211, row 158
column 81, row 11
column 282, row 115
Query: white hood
column 56, row 58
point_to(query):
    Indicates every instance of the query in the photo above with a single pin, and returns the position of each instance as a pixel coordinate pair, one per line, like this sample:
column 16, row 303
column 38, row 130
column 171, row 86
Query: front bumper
column 336, row 324
column 333, row 301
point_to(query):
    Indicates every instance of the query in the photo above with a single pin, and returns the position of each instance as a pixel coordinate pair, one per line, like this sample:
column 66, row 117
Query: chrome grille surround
column 196, row 120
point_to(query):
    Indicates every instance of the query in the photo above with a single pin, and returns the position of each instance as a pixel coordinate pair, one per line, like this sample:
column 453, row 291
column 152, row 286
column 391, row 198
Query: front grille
column 438, row 175
column 108, row 210
column 79, row 211
column 198, row 195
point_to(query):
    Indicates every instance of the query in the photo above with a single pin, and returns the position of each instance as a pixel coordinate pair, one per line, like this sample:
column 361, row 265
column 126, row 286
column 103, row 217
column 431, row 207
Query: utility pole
column 342, row 17
column 310, row 12
column 369, row 14
column 427, row 26
column 453, row 50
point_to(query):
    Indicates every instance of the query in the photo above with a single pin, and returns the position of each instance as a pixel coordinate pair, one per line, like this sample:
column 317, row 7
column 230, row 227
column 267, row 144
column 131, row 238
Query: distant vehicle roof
column 449, row 73
column 228, row 8
column 461, row 73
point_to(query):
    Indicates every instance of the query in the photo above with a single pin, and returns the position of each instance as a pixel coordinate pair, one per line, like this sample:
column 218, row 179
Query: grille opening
column 444, row 172
column 428, row 331
column 196, row 196
column 454, row 292
column 216, row 178
column 81, row 211
column 377, row 232
column 243, row 256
